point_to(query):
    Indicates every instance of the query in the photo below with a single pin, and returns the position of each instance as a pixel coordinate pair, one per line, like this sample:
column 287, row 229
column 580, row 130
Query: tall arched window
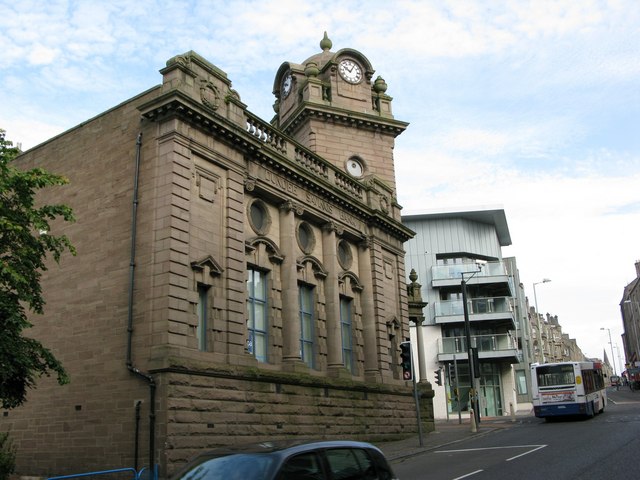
column 307, row 330
column 346, row 328
column 257, row 320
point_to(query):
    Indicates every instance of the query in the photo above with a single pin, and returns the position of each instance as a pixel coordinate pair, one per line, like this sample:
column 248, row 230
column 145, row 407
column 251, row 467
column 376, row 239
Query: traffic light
column 438, row 377
column 406, row 361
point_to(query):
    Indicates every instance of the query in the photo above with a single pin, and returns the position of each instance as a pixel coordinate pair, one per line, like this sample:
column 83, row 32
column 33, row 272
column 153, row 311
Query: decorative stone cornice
column 345, row 117
column 270, row 148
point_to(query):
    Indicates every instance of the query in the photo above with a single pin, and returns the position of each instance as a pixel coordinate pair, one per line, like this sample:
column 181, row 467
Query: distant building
column 630, row 311
column 236, row 280
column 550, row 344
column 448, row 245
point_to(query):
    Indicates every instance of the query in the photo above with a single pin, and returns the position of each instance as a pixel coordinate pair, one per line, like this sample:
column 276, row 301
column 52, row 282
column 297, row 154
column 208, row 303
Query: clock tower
column 332, row 105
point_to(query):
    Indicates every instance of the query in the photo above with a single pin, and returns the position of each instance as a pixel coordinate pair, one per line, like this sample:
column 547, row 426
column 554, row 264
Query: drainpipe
column 132, row 267
column 135, row 447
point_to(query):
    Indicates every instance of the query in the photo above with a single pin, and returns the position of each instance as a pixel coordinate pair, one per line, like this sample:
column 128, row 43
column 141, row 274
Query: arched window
column 257, row 319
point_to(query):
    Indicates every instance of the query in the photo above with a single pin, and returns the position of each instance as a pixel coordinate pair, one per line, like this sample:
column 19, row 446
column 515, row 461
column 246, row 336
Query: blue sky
column 533, row 107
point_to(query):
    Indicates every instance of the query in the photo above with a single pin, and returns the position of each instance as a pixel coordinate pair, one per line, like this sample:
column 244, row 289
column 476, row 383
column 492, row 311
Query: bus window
column 555, row 375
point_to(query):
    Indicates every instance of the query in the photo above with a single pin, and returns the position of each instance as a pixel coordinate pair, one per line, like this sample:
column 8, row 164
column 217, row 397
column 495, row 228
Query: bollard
column 513, row 412
column 474, row 427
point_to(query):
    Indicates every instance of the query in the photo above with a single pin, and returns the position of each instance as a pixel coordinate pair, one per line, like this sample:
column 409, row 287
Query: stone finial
column 413, row 276
column 325, row 43
column 380, row 86
column 414, row 296
column 311, row 69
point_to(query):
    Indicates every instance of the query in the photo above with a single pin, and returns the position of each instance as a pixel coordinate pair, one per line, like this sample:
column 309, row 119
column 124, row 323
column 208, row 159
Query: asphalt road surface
column 604, row 447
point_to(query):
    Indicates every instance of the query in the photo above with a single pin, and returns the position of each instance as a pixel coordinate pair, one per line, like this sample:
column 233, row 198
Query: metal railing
column 484, row 343
column 454, row 271
column 142, row 474
column 446, row 308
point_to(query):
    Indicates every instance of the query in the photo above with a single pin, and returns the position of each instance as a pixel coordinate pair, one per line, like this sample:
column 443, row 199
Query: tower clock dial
column 286, row 85
column 350, row 71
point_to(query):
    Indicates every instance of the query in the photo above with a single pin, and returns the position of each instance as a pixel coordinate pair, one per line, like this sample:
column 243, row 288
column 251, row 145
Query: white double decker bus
column 568, row 388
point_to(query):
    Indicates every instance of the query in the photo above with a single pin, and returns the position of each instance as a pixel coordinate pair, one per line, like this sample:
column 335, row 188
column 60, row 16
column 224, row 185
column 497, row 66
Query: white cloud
column 29, row 133
column 41, row 55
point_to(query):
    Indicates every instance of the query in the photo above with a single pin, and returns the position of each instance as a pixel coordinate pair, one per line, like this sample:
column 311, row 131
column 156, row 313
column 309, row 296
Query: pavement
column 449, row 432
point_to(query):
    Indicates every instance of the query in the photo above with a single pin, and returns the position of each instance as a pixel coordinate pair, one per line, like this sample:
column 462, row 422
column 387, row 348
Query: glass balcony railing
column 454, row 270
column 446, row 308
column 484, row 343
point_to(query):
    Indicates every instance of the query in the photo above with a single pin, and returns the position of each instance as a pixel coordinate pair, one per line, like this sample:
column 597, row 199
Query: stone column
column 369, row 323
column 289, row 276
column 416, row 316
column 332, row 297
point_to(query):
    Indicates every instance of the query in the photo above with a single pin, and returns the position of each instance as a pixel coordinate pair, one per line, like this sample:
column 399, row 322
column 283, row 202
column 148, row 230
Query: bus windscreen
column 553, row 375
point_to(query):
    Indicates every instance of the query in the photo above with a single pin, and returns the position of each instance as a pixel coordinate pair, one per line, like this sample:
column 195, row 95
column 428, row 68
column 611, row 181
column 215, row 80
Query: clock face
column 286, row 85
column 350, row 71
column 354, row 167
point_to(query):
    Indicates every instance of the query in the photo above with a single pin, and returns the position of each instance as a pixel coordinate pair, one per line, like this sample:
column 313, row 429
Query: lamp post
column 619, row 359
column 535, row 298
column 613, row 360
column 467, row 334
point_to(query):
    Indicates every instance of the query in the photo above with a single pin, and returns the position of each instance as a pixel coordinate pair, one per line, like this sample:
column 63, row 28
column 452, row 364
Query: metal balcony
column 499, row 346
column 497, row 310
column 491, row 273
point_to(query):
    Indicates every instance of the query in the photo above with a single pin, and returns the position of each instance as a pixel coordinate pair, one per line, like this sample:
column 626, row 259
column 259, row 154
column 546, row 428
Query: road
column 605, row 447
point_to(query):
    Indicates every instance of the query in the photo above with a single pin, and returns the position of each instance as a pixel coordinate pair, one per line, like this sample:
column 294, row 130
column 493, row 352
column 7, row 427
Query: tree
column 25, row 242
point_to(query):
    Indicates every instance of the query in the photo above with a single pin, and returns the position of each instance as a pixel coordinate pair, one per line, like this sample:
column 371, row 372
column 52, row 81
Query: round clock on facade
column 350, row 71
column 286, row 85
column 354, row 167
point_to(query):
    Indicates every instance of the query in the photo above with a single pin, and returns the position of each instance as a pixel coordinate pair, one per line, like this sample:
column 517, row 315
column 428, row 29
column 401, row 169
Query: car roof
column 278, row 449
column 286, row 446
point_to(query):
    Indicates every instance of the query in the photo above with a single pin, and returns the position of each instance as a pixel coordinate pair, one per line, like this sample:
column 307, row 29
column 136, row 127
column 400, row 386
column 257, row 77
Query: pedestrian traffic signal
column 406, row 361
column 438, row 377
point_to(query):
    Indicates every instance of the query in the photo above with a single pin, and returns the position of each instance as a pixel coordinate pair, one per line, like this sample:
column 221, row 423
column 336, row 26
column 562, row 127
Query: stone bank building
column 236, row 279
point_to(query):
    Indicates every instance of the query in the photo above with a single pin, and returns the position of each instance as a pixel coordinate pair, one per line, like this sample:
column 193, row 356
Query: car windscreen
column 230, row 467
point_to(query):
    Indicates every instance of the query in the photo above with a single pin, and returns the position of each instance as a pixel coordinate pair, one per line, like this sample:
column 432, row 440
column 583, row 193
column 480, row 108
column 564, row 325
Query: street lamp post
column 613, row 360
column 619, row 359
column 535, row 298
column 467, row 334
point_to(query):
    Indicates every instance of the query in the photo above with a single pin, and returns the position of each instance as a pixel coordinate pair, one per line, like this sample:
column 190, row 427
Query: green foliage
column 7, row 456
column 25, row 242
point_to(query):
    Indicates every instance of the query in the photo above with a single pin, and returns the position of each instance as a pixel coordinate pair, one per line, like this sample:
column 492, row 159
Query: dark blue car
column 290, row 460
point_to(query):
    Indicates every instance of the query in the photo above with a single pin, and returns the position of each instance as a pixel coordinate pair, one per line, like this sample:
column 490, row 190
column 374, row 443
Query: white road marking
column 468, row 474
column 526, row 453
column 533, row 447
column 537, row 447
